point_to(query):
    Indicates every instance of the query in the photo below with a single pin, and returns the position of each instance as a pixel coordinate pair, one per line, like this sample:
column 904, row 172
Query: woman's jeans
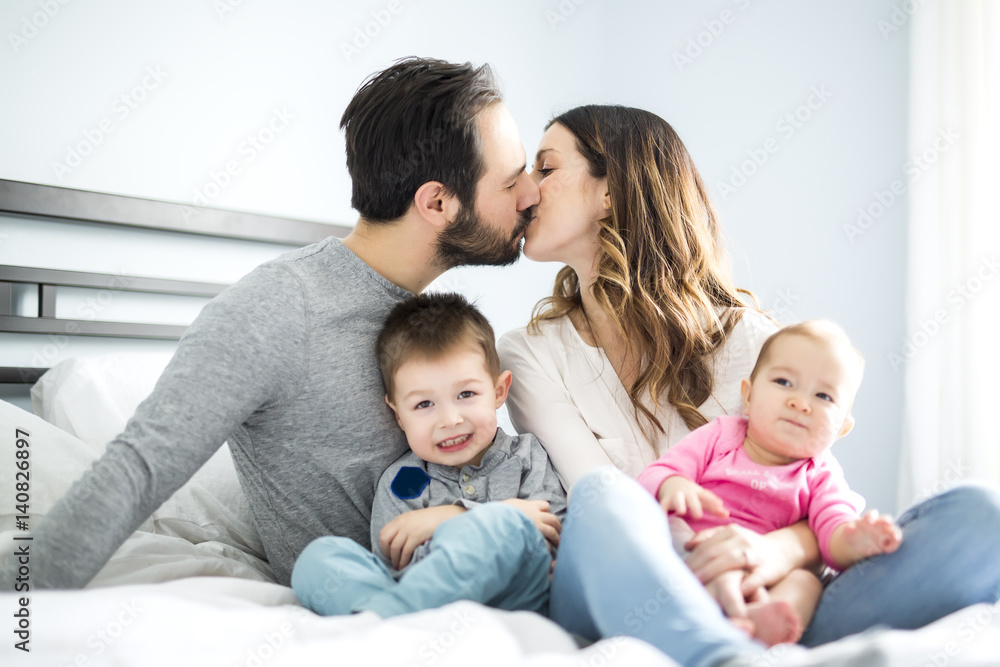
column 949, row 559
column 617, row 573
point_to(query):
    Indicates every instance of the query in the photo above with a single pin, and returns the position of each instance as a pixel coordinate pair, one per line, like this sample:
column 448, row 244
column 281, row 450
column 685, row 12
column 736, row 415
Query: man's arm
column 243, row 353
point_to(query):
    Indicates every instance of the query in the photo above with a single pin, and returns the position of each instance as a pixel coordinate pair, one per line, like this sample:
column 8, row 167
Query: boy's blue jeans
column 492, row 554
column 617, row 573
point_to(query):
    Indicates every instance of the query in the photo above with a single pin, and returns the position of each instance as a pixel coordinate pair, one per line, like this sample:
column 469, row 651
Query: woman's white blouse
column 568, row 395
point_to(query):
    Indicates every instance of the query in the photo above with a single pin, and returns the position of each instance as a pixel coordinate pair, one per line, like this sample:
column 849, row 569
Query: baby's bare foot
column 775, row 622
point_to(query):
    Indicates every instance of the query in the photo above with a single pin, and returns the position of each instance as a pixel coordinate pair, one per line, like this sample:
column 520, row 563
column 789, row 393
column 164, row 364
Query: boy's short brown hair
column 429, row 326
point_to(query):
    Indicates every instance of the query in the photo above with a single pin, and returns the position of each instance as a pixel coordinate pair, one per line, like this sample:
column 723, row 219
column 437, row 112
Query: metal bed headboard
column 29, row 199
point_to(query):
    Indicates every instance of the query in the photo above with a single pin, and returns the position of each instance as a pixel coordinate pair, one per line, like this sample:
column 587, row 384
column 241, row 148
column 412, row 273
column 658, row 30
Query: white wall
column 203, row 76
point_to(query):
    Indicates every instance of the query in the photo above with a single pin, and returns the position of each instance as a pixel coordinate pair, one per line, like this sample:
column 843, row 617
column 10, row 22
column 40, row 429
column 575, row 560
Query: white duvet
column 224, row 621
column 192, row 587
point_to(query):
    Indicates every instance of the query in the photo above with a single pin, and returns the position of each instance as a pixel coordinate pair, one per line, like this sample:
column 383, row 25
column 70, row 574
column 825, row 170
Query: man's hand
column 685, row 498
column 401, row 536
column 538, row 511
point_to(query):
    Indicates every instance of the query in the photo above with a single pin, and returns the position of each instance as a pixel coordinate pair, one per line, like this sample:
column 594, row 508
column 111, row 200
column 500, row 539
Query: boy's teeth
column 453, row 441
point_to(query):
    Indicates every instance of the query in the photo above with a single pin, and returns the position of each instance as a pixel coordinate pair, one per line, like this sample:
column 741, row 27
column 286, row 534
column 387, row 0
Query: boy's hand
column 685, row 498
column 538, row 511
column 401, row 536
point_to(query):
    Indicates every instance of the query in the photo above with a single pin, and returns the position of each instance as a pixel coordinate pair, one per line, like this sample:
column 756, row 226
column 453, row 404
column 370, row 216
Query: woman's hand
column 401, row 536
column 765, row 558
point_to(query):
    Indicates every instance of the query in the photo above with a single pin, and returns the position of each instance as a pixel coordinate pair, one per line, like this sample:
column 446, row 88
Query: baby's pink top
column 759, row 497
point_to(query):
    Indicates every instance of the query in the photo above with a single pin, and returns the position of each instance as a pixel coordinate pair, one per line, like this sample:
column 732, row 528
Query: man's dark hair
column 430, row 326
column 412, row 123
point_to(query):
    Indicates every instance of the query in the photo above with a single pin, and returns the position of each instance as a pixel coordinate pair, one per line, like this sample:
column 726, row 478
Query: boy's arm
column 539, row 480
column 540, row 494
column 243, row 352
column 401, row 519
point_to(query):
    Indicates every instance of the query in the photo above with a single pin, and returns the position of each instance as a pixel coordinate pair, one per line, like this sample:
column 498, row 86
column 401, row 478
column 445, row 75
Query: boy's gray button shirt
column 513, row 467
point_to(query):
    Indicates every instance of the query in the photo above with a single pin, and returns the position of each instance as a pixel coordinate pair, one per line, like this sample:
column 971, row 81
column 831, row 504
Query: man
column 282, row 364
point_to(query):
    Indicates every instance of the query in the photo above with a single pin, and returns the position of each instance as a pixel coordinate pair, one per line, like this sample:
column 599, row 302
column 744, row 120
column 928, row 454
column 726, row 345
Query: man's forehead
column 502, row 147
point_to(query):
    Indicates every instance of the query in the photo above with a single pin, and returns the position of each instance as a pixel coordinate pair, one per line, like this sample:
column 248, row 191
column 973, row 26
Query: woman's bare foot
column 775, row 622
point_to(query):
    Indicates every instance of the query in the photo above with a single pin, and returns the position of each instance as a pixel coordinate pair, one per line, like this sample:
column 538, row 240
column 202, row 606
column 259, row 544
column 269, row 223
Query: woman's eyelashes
column 544, row 171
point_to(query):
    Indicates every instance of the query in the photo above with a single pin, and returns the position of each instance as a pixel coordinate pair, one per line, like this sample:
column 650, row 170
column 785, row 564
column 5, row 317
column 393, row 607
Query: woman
column 644, row 339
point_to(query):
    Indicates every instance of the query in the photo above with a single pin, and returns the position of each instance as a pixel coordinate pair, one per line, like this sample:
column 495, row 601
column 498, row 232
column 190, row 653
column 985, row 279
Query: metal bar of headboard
column 80, row 205
column 48, row 280
column 14, row 375
column 33, row 276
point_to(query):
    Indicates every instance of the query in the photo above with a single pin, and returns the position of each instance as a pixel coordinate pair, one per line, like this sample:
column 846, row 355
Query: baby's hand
column 872, row 534
column 685, row 498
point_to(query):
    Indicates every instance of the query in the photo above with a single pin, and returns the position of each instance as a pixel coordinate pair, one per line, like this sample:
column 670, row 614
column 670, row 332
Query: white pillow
column 94, row 397
column 56, row 459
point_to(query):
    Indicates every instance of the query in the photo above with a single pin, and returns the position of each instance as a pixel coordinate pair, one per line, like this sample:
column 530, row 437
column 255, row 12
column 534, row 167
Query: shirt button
column 465, row 477
column 470, row 490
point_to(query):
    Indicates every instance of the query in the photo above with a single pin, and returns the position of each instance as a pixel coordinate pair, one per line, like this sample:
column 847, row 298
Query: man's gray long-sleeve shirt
column 282, row 365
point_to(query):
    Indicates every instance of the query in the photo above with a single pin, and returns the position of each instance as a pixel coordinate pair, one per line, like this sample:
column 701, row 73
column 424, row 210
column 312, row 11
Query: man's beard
column 468, row 241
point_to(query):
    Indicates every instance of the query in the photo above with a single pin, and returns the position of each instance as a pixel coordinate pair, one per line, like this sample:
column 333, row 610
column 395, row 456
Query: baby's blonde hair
column 823, row 331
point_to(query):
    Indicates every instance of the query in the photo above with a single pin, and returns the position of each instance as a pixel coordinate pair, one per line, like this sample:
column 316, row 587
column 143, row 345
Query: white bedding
column 191, row 587
column 226, row 621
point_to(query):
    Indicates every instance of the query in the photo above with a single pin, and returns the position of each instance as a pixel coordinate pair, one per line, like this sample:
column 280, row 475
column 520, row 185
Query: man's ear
column 847, row 427
column 393, row 408
column 745, row 394
column 435, row 204
column 503, row 387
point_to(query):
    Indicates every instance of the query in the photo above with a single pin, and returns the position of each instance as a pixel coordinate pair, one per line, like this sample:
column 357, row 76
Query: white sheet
column 225, row 621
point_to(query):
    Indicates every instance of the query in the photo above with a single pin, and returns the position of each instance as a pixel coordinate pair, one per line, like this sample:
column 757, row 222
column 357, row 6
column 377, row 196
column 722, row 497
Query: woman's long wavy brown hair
column 662, row 273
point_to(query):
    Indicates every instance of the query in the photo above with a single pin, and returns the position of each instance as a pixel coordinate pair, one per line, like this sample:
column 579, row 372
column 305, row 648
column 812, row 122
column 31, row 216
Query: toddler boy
column 469, row 512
